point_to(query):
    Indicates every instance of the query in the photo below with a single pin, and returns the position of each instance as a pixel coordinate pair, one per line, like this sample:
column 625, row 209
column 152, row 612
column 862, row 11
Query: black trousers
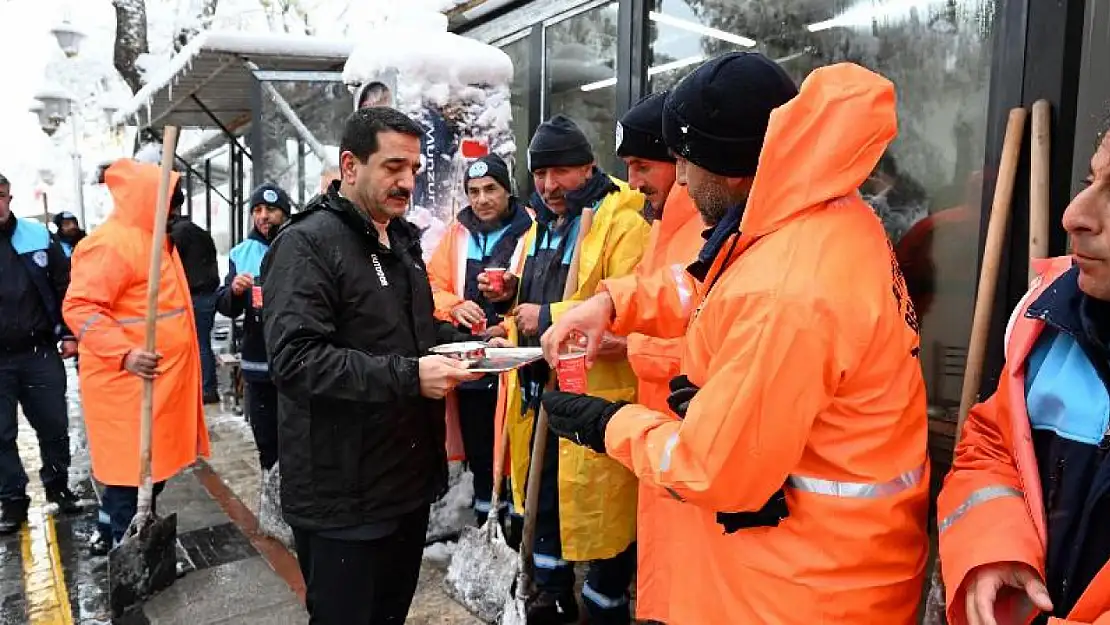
column 477, row 405
column 262, row 401
column 362, row 582
column 36, row 380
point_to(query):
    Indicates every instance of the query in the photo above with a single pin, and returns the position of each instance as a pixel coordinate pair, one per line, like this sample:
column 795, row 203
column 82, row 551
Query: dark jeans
column 118, row 505
column 605, row 592
column 262, row 400
column 36, row 380
column 477, row 405
column 362, row 582
column 204, row 309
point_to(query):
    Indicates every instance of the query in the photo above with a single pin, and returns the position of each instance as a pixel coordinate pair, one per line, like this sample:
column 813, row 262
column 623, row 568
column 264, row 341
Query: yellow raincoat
column 597, row 496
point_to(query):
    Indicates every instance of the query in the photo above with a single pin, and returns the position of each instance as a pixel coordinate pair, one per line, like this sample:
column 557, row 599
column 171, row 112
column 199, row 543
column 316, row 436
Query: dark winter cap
column 640, row 131
column 269, row 194
column 716, row 117
column 490, row 165
column 62, row 216
column 559, row 142
column 4, row 181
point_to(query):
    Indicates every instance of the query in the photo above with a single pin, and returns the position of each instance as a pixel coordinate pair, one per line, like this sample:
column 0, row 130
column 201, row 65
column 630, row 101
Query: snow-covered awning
column 213, row 69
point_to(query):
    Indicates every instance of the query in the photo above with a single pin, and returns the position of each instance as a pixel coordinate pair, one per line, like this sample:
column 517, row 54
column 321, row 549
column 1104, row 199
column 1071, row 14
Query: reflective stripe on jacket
column 597, row 496
column 805, row 351
column 106, row 307
column 991, row 508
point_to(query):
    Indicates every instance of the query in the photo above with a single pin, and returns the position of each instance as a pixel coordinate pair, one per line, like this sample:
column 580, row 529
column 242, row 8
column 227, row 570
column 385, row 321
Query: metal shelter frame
column 219, row 81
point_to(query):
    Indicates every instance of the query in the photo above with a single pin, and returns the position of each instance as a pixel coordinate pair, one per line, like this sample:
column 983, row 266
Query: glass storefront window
column 927, row 188
column 520, row 52
column 581, row 60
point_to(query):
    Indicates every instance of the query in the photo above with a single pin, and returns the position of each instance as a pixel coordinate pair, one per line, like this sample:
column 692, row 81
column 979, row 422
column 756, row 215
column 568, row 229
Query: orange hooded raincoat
column 674, row 242
column 805, row 351
column 991, row 508
column 106, row 307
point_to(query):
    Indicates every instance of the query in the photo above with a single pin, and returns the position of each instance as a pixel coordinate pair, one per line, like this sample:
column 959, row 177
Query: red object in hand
column 473, row 148
column 478, row 327
column 572, row 373
column 256, row 297
column 496, row 277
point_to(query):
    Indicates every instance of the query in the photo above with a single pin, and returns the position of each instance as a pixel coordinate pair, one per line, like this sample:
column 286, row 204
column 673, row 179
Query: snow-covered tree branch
column 131, row 40
column 200, row 19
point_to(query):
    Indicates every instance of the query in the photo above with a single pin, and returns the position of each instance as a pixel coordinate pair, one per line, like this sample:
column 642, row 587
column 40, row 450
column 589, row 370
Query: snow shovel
column 145, row 561
column 980, row 327
column 484, row 566
column 515, row 611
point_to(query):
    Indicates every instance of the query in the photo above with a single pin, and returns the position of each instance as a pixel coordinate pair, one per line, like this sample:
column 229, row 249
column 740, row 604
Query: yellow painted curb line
column 44, row 583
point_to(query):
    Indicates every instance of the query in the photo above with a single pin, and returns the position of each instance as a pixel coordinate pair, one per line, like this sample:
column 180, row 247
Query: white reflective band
column 668, row 449
column 548, row 562
column 126, row 321
column 858, row 490
column 685, row 296
column 247, row 365
column 982, row 495
column 604, row 602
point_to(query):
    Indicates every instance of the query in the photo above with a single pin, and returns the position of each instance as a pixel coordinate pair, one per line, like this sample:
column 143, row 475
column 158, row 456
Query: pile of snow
column 454, row 510
column 439, row 553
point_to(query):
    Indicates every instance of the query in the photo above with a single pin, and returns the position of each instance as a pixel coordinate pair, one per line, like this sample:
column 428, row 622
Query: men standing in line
column 799, row 451
column 587, row 510
column 34, row 275
column 69, row 231
column 107, row 301
column 348, row 318
column 489, row 233
column 675, row 240
column 198, row 255
column 242, row 293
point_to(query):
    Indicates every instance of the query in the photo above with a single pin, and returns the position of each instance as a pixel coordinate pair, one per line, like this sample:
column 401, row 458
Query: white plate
column 502, row 359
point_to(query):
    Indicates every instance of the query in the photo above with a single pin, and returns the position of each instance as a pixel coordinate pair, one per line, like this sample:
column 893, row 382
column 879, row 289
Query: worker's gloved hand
column 580, row 418
column 769, row 515
column 682, row 393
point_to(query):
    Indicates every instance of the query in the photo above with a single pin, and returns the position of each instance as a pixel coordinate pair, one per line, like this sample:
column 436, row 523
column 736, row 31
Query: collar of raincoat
column 820, row 146
column 134, row 188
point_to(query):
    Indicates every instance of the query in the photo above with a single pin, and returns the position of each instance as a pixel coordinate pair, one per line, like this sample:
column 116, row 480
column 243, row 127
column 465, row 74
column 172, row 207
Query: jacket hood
column 134, row 188
column 821, row 145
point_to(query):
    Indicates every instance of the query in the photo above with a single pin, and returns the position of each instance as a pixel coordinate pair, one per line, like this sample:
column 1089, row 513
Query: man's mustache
column 400, row 194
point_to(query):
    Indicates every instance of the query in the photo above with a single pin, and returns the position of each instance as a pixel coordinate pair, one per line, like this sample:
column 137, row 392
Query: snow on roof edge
column 231, row 42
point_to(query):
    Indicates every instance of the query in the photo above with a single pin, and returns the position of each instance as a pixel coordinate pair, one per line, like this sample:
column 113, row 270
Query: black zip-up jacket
column 346, row 320
column 198, row 255
column 34, row 276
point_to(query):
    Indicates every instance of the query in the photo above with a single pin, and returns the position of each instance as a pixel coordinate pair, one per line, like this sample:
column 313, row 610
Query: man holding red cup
column 486, row 237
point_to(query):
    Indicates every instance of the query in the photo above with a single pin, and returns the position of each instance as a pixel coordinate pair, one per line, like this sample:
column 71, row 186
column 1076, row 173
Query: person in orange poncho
column 106, row 305
column 799, row 454
column 675, row 240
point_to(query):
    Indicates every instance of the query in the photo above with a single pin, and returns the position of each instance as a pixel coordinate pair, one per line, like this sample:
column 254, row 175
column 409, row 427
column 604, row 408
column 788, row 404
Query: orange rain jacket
column 991, row 508
column 674, row 242
column 106, row 306
column 805, row 351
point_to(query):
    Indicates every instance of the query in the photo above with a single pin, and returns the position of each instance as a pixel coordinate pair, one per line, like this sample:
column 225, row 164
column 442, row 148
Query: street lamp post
column 69, row 38
column 57, row 106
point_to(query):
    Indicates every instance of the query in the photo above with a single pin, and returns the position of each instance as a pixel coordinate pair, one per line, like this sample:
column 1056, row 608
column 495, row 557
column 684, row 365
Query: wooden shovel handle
column 1039, row 177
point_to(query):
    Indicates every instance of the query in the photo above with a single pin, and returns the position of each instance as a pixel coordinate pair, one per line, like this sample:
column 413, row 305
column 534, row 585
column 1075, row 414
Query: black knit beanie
column 490, row 165
column 716, row 117
column 640, row 131
column 269, row 194
column 559, row 142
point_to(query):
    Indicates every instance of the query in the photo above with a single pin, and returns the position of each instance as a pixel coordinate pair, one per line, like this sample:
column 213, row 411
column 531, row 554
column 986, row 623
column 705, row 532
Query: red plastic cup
column 571, row 372
column 478, row 327
column 256, row 296
column 496, row 277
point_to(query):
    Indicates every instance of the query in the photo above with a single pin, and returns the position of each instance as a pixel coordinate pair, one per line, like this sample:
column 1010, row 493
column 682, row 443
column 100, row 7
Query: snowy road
column 48, row 576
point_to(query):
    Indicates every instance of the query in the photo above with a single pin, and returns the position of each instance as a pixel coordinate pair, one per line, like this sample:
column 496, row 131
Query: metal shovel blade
column 482, row 570
column 144, row 563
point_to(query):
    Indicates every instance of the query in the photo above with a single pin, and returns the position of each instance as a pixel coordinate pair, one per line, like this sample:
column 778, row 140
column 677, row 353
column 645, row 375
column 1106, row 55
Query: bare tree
column 206, row 14
column 131, row 40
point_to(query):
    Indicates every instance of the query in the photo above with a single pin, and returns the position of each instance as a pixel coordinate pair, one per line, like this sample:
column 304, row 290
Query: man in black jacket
column 348, row 319
column 34, row 276
column 198, row 256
